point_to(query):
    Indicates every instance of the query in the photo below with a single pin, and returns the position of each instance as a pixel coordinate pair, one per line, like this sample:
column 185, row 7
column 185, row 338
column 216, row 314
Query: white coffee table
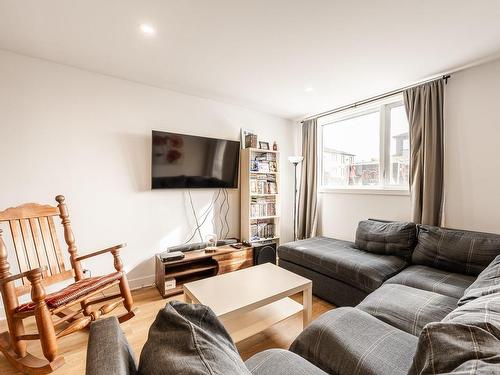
column 252, row 299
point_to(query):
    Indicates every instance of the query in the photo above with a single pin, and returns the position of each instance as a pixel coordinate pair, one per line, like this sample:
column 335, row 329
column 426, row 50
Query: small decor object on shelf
column 275, row 146
column 211, row 240
column 249, row 135
column 250, row 141
column 264, row 145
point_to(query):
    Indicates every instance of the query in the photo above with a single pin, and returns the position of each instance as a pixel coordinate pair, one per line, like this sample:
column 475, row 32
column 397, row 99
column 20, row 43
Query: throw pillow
column 488, row 282
column 455, row 250
column 466, row 341
column 389, row 238
column 189, row 339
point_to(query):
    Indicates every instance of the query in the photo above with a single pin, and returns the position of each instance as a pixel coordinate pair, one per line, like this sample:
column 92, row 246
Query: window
column 367, row 148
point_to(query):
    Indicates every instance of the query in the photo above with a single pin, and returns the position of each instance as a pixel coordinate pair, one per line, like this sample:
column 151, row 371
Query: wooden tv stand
column 199, row 264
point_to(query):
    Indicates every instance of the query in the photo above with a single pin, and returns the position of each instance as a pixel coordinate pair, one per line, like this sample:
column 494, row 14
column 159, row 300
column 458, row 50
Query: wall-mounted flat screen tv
column 187, row 161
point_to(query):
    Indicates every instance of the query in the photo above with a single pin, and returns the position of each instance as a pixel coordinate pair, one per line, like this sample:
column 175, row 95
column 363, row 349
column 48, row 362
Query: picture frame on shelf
column 263, row 145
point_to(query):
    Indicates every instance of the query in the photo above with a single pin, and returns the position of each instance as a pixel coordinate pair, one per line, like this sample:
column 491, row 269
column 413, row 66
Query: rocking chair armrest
column 26, row 274
column 104, row 251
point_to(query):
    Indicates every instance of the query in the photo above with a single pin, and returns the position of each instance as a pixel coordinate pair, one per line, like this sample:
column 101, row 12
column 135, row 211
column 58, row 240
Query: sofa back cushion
column 455, row 250
column 488, row 282
column 466, row 341
column 190, row 340
column 389, row 238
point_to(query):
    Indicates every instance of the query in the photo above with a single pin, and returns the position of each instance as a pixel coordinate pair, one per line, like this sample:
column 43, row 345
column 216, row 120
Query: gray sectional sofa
column 411, row 300
column 420, row 311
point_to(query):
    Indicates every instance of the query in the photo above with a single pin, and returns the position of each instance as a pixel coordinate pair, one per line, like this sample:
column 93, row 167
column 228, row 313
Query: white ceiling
column 261, row 54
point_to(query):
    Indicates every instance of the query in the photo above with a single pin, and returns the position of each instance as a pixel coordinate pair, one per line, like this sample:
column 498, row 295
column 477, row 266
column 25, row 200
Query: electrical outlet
column 87, row 273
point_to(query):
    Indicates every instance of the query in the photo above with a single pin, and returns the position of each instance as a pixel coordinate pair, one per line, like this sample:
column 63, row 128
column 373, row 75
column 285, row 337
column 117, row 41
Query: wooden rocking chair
column 41, row 264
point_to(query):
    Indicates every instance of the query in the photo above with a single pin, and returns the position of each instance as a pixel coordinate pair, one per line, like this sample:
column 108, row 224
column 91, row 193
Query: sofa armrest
column 108, row 351
column 281, row 362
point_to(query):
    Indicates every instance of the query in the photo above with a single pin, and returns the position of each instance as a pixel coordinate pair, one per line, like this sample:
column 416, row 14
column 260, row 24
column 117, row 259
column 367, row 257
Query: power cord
column 194, row 214
column 220, row 213
column 227, row 211
column 204, row 216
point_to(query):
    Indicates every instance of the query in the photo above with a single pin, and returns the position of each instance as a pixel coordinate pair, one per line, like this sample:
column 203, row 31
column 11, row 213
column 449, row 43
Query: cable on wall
column 227, row 211
column 194, row 214
column 221, row 208
column 204, row 216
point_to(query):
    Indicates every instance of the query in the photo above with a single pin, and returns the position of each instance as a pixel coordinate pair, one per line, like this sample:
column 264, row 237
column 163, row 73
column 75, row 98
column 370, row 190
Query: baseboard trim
column 142, row 282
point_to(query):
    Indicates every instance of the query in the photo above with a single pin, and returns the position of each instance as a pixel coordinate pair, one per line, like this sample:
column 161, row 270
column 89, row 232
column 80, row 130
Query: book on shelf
column 264, row 184
column 262, row 230
column 264, row 163
column 262, row 206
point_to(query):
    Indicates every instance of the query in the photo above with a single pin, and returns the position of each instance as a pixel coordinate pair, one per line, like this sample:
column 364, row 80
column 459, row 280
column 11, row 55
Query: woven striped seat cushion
column 73, row 291
column 348, row 341
column 341, row 260
column 407, row 308
column 434, row 280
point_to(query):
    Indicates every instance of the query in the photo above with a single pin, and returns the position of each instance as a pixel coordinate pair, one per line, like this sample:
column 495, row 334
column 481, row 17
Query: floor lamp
column 295, row 160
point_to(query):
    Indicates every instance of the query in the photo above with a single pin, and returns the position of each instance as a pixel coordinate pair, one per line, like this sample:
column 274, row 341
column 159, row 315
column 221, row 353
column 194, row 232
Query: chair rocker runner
column 38, row 254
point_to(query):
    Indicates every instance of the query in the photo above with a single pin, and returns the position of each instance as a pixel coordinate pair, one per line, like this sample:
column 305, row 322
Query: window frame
column 384, row 108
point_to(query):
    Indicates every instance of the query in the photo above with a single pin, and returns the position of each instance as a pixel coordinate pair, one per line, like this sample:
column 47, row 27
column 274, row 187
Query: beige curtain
column 307, row 210
column 424, row 108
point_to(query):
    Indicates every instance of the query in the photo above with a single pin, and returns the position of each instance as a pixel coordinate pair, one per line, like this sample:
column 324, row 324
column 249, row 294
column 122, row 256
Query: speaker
column 265, row 253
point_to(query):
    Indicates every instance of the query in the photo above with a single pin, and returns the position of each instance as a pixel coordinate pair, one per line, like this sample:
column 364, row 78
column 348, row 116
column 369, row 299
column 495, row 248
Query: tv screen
column 188, row 161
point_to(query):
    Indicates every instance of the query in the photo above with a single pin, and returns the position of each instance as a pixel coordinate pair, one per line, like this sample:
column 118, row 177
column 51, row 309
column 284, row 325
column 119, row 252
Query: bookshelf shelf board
column 264, row 217
column 255, row 172
column 261, row 150
column 265, row 239
column 263, row 195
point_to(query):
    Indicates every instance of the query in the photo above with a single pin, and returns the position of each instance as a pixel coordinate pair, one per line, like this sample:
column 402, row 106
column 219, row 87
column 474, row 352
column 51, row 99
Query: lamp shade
column 295, row 159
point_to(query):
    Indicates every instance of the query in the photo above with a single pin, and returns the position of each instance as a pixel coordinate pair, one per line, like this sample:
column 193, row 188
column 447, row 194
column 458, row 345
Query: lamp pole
column 295, row 203
column 295, row 160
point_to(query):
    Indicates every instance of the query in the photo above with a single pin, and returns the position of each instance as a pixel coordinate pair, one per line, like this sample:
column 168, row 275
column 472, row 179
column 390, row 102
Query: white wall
column 339, row 213
column 472, row 178
column 472, row 171
column 87, row 136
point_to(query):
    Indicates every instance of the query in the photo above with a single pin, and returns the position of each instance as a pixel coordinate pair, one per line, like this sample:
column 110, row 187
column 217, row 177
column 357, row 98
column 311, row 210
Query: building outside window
column 366, row 148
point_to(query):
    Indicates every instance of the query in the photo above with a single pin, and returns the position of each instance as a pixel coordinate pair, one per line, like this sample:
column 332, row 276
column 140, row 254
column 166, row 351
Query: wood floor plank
column 149, row 302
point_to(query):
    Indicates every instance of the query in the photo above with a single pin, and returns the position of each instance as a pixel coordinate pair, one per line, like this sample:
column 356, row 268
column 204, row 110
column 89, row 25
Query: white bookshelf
column 260, row 193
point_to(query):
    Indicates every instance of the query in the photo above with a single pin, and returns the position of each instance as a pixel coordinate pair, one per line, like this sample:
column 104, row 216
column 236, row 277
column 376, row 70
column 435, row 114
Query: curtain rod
column 373, row 99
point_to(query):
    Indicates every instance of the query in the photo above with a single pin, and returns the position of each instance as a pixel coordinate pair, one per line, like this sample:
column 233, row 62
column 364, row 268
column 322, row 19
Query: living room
column 371, row 112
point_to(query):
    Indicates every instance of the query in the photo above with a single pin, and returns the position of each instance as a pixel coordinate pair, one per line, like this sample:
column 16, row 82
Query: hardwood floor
column 149, row 301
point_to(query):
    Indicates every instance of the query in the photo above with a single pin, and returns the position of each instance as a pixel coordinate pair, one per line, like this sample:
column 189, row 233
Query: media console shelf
column 199, row 264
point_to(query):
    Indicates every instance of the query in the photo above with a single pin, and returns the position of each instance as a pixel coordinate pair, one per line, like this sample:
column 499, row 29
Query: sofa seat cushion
column 455, row 250
column 434, row 280
column 281, row 362
column 488, row 282
column 341, row 260
column 389, row 238
column 407, row 308
column 349, row 341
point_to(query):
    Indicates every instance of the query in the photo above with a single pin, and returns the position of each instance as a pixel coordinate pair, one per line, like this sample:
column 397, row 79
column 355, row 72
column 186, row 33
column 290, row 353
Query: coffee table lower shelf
column 250, row 323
